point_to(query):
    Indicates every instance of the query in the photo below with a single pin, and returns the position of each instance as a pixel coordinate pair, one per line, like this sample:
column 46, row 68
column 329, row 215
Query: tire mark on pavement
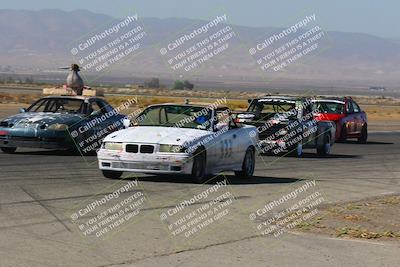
column 37, row 200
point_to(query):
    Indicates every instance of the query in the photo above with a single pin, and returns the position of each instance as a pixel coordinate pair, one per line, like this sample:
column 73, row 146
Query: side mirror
column 22, row 110
column 126, row 122
column 249, row 101
column 94, row 113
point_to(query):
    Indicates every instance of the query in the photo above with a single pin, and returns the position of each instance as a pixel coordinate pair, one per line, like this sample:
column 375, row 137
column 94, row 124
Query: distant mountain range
column 41, row 40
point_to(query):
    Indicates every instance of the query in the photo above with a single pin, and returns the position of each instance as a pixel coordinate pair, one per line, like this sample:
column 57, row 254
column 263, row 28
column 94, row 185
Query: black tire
column 9, row 150
column 297, row 150
column 112, row 174
column 364, row 135
column 248, row 164
column 325, row 148
column 199, row 166
column 343, row 134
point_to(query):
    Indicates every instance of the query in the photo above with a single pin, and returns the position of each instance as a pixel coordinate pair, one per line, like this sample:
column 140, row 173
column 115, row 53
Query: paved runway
column 41, row 189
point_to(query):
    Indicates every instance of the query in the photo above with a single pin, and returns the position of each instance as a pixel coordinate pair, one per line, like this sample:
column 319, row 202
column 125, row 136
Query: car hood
column 156, row 135
column 43, row 118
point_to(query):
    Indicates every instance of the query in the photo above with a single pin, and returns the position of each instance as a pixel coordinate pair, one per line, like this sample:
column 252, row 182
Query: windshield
column 265, row 110
column 328, row 107
column 58, row 105
column 176, row 116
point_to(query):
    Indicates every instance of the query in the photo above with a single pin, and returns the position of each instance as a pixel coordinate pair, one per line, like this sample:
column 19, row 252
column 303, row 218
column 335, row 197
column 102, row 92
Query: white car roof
column 329, row 101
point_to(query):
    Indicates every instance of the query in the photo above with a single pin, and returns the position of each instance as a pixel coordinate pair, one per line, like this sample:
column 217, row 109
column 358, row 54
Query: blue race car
column 61, row 122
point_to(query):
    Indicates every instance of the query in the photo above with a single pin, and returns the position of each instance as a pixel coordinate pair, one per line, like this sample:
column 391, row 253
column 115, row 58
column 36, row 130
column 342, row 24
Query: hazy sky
column 367, row 16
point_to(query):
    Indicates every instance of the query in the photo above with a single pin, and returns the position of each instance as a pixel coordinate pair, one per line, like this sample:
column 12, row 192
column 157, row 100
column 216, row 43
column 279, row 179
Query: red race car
column 351, row 121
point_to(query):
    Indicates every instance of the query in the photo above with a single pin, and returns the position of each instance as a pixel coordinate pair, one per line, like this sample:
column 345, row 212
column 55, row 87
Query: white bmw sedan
column 185, row 139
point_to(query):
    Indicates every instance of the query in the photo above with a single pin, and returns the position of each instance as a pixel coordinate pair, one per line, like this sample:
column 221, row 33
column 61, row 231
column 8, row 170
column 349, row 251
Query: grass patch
column 376, row 218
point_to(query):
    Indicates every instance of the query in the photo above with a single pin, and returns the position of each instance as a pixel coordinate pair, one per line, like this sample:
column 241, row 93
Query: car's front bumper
column 30, row 139
column 157, row 163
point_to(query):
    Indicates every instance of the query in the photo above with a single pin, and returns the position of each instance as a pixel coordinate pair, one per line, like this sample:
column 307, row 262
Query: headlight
column 172, row 149
column 283, row 132
column 58, row 127
column 112, row 146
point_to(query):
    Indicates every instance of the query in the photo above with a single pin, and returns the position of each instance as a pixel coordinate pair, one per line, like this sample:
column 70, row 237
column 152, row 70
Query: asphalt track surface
column 41, row 189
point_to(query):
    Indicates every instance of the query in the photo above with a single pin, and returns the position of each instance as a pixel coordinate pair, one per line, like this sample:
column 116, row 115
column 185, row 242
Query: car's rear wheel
column 9, row 150
column 199, row 166
column 247, row 165
column 325, row 147
column 112, row 174
column 343, row 134
column 364, row 135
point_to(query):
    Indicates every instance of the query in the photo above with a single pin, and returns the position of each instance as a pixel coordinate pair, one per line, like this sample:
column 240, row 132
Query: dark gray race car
column 286, row 123
column 60, row 122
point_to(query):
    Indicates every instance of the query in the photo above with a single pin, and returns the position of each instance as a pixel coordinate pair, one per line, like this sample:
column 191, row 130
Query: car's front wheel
column 297, row 150
column 112, row 174
column 325, row 147
column 364, row 135
column 343, row 134
column 199, row 166
column 9, row 150
column 248, row 164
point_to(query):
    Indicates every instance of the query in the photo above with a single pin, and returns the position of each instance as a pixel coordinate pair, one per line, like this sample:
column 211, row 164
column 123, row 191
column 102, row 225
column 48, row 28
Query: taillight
column 3, row 133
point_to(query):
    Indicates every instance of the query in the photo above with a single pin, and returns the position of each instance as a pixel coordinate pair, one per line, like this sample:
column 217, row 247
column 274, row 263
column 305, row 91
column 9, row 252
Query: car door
column 96, row 113
column 98, row 122
column 309, row 126
column 227, row 140
column 350, row 118
column 358, row 117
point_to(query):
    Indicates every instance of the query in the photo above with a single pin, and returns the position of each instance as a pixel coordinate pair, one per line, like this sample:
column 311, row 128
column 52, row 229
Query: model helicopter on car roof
column 74, row 85
column 74, row 80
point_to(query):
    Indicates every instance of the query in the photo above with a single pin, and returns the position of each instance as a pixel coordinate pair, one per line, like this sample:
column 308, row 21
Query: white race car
column 186, row 139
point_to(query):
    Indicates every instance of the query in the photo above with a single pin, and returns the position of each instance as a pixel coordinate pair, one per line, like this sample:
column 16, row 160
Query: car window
column 58, row 105
column 349, row 107
column 264, row 110
column 105, row 107
column 94, row 108
column 98, row 107
column 224, row 119
column 163, row 116
column 307, row 110
column 39, row 106
column 176, row 116
column 355, row 107
column 65, row 105
column 223, row 116
column 186, row 116
column 328, row 107
column 152, row 116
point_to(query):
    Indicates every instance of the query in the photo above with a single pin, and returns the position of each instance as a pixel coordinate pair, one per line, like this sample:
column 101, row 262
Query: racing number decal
column 226, row 148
